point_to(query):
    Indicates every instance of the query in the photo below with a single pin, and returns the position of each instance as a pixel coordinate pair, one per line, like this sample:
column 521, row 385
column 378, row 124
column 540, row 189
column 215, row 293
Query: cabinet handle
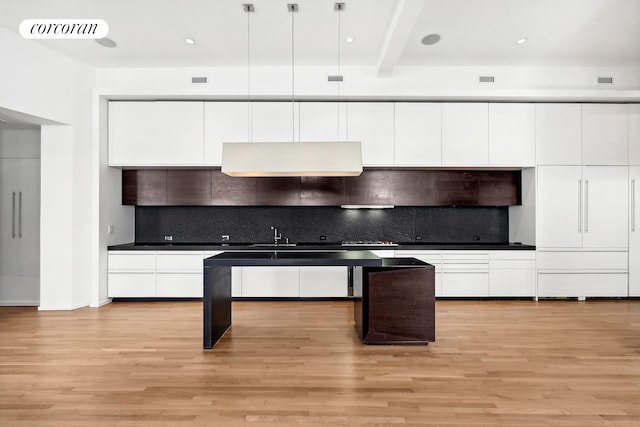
column 13, row 216
column 633, row 205
column 579, row 206
column 586, row 205
column 20, row 216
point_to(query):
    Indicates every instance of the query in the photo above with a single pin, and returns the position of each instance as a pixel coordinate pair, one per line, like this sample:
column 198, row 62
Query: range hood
column 255, row 159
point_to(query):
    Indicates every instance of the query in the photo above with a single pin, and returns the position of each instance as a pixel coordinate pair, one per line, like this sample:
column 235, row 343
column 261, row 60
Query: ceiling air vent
column 199, row 80
column 487, row 79
column 605, row 80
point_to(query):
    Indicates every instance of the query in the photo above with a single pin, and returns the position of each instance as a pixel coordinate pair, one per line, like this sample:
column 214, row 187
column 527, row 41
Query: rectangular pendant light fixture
column 255, row 159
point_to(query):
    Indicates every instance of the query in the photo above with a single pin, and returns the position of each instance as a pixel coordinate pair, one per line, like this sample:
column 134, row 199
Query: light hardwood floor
column 495, row 363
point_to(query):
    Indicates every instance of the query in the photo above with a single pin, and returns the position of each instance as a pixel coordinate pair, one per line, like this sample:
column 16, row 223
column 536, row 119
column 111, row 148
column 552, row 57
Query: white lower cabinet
column 582, row 274
column 132, row 274
column 465, row 274
column 323, row 282
column 512, row 273
column 271, row 282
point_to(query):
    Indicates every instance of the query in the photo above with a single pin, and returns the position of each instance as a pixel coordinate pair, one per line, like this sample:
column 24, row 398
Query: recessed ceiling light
column 431, row 39
column 523, row 40
column 349, row 39
column 106, row 42
column 189, row 40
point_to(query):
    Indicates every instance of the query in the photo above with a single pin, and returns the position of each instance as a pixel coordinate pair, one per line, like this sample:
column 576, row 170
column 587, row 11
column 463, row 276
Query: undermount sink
column 273, row 245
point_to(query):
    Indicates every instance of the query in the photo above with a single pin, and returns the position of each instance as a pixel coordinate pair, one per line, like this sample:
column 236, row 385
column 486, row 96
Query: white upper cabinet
column 512, row 134
column 372, row 123
column 156, row 133
column 465, row 134
column 558, row 134
column 275, row 121
column 223, row 122
column 634, row 134
column 418, row 134
column 604, row 134
column 323, row 121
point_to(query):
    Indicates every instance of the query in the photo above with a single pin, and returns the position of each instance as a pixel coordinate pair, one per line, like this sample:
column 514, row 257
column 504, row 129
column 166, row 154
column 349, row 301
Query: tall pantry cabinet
column 19, row 217
column 634, row 198
column 583, row 200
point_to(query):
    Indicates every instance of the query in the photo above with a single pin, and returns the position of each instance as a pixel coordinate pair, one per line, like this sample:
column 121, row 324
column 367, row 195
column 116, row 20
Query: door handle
column 579, row 206
column 633, row 205
column 13, row 216
column 20, row 216
column 586, row 205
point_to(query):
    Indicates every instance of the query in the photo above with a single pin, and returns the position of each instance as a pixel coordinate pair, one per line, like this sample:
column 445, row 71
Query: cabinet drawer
column 471, row 256
column 583, row 260
column 270, row 281
column 512, row 283
column 132, row 285
column 582, row 285
column 323, row 282
column 512, row 255
column 559, row 260
column 605, row 260
column 189, row 261
column 516, row 264
column 132, row 261
column 179, row 285
column 471, row 284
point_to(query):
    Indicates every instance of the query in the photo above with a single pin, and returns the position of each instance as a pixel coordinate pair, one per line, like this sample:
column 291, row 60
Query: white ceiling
column 151, row 33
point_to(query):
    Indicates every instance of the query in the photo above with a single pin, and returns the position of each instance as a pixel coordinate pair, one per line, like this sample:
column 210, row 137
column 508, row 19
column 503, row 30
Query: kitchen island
column 367, row 267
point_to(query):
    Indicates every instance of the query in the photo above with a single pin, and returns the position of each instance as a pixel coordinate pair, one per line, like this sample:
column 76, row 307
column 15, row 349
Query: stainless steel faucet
column 276, row 235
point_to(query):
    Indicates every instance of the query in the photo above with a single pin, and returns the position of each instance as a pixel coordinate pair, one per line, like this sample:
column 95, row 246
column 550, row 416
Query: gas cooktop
column 369, row 243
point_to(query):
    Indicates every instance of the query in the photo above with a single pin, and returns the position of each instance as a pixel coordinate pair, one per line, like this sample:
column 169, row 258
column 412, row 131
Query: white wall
column 40, row 82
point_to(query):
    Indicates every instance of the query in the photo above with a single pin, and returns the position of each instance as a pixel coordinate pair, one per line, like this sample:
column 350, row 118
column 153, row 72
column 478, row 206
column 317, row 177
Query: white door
column 634, row 232
column 558, row 134
column 418, row 134
column 465, row 134
column 559, row 213
column 20, row 231
column 274, row 121
column 371, row 123
column 224, row 122
column 323, row 121
column 156, row 133
column 605, row 207
column 604, row 134
column 512, row 134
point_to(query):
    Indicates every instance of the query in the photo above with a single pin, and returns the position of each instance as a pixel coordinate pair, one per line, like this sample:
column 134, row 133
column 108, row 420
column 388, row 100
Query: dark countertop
column 290, row 258
column 320, row 247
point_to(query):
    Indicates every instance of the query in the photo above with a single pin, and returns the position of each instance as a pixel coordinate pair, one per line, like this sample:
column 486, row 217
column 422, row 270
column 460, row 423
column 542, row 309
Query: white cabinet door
column 465, row 284
column 604, row 134
column 559, row 216
column 465, row 134
column 318, row 282
column 323, row 121
column 274, row 121
column 224, row 122
column 270, row 282
column 605, row 207
column 512, row 273
column 132, row 285
column 634, row 232
column 179, row 285
column 371, row 123
column 156, row 133
column 512, row 134
column 634, row 134
column 418, row 134
column 582, row 285
column 558, row 134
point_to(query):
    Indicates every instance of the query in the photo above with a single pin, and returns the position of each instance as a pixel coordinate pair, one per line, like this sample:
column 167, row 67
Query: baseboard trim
column 19, row 303
column 62, row 307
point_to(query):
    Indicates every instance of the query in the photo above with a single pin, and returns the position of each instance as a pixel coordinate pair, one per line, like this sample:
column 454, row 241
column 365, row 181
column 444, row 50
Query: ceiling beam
column 404, row 19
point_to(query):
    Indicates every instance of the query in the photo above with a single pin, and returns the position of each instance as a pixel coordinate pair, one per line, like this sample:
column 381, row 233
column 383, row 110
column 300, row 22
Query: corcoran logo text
column 64, row 28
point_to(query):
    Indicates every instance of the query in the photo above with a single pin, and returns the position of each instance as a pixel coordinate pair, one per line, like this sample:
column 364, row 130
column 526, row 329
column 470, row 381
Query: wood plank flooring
column 495, row 363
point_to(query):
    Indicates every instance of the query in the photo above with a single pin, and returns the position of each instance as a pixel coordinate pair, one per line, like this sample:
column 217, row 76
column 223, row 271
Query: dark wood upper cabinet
column 233, row 191
column 144, row 187
column 321, row 191
column 278, row 191
column 204, row 187
column 370, row 188
column 189, row 187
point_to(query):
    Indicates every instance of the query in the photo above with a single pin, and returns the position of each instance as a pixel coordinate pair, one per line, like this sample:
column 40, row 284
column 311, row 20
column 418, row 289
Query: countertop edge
column 400, row 247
